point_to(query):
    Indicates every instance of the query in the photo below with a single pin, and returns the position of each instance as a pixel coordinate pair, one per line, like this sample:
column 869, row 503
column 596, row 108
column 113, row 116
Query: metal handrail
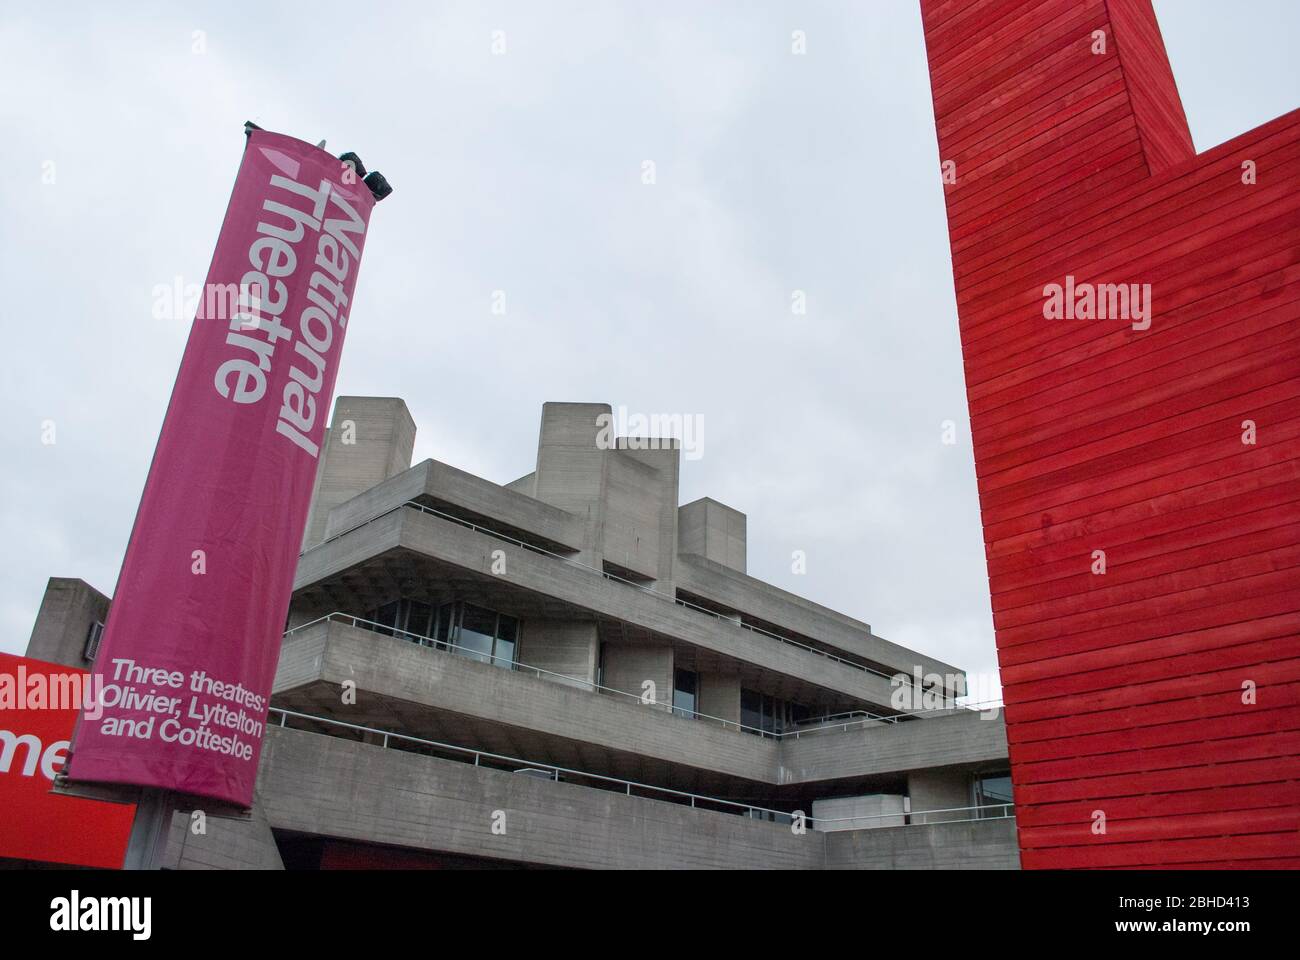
column 556, row 771
column 1007, row 814
column 384, row 629
column 609, row 576
column 627, row 785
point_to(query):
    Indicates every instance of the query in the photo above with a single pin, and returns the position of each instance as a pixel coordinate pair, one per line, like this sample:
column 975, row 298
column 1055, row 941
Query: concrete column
column 571, row 468
column 714, row 531
column 63, row 622
column 941, row 789
column 564, row 647
column 629, row 665
column 719, row 696
column 370, row 439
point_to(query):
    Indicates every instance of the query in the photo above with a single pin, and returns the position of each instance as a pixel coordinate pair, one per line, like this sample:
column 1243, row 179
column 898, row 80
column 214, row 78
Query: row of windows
column 771, row 715
column 493, row 637
column 467, row 629
column 759, row 713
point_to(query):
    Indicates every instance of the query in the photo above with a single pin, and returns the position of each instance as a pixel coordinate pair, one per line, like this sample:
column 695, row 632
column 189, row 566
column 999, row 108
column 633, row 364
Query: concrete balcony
column 352, row 571
column 325, row 786
column 465, row 494
column 972, row 845
column 445, row 696
column 959, row 739
column 786, row 611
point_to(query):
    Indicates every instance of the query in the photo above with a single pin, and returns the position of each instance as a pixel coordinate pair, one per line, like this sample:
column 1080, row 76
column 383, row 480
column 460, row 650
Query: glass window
column 507, row 640
column 386, row 616
column 93, row 636
column 992, row 790
column 417, row 620
column 443, row 635
column 477, row 632
column 751, row 710
column 685, row 693
column 771, row 714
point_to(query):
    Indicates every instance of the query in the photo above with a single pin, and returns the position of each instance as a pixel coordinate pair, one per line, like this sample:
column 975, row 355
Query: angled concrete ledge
column 530, row 518
column 395, row 669
column 458, row 546
column 329, row 787
column 973, row 845
column 737, row 590
column 333, row 652
column 961, row 738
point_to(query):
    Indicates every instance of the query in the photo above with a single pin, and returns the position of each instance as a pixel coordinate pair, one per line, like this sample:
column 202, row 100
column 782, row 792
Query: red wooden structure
column 1153, row 709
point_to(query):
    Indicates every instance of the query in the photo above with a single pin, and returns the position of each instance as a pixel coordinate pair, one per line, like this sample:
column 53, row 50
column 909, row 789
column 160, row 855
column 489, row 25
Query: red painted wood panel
column 1124, row 688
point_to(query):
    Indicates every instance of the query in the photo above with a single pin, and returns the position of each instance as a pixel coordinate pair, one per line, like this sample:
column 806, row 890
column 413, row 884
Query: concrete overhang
column 325, row 786
column 465, row 495
column 402, row 686
column 471, row 553
column 733, row 589
column 962, row 738
column 513, row 712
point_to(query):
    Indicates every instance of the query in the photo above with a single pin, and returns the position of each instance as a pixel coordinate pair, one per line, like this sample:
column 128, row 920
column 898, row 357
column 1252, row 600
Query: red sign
column 191, row 643
column 35, row 727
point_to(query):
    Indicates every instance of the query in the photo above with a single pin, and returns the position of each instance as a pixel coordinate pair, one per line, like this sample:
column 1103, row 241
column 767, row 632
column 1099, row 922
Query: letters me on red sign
column 191, row 643
column 38, row 824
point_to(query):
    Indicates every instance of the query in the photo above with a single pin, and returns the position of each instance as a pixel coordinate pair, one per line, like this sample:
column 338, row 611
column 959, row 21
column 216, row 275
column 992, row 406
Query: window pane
column 417, row 618
column 505, row 656
column 477, row 630
column 444, row 623
column 507, row 639
column 685, row 684
column 993, row 790
column 387, row 615
column 751, row 710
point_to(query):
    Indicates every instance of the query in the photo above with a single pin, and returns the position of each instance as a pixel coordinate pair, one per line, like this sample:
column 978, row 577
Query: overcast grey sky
column 522, row 172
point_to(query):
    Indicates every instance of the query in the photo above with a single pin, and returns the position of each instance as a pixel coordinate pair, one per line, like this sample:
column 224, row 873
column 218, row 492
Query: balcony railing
column 482, row 758
column 834, row 722
column 639, row 587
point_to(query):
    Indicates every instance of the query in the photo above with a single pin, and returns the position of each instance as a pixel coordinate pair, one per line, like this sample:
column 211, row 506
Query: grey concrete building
column 573, row 670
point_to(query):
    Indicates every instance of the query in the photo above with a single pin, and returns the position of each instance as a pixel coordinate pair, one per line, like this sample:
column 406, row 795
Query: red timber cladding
column 1124, row 689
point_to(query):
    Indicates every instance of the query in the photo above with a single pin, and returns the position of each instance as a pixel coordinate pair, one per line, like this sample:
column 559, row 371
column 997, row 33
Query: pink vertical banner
column 190, row 648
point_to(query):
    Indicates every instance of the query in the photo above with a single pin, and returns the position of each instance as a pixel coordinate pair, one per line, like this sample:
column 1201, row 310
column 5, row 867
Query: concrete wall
column 714, row 531
column 629, row 665
column 525, row 484
column 67, row 610
column 977, row 845
column 225, row 845
column 719, row 696
column 571, row 468
column 939, row 789
column 370, row 439
column 636, row 494
column 869, row 812
column 566, row 647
